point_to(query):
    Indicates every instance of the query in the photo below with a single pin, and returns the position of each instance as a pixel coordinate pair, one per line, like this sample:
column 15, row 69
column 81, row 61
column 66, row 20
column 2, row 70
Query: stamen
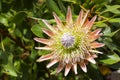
column 67, row 40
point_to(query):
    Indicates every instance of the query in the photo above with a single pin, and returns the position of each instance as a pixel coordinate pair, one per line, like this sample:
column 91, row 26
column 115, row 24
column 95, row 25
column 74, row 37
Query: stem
column 83, row 8
column 3, row 48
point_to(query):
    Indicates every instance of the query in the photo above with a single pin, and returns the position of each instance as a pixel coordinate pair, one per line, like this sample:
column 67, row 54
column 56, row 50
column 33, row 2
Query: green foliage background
column 20, row 22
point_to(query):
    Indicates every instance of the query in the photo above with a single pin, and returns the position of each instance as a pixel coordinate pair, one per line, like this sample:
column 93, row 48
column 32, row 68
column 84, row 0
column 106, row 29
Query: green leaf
column 3, row 57
column 43, row 52
column 9, row 67
column 113, row 33
column 107, row 32
column 113, row 9
column 62, row 7
column 114, row 20
column 110, row 59
column 115, row 66
column 53, row 7
column 71, row 1
column 3, row 20
column 0, row 5
column 109, row 43
column 100, row 24
column 17, row 65
column 18, row 33
column 93, row 70
column 19, row 17
column 36, row 29
column 41, row 23
column 33, row 55
column 10, row 70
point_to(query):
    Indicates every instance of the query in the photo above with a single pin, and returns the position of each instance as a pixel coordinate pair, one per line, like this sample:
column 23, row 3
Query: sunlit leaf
column 9, row 67
column 37, row 30
column 100, row 24
column 72, row 1
column 114, row 20
column 110, row 59
column 3, row 20
column 43, row 52
column 10, row 70
column 107, row 30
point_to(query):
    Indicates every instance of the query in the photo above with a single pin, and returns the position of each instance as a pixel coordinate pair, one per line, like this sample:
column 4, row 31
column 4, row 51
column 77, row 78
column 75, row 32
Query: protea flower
column 72, row 43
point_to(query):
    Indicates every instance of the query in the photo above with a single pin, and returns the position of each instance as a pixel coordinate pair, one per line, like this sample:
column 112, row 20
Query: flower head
column 71, row 43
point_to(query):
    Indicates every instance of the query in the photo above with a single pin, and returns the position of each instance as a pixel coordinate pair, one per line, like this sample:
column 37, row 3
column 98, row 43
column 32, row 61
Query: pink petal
column 44, row 48
column 60, row 67
column 95, row 32
column 83, row 66
column 67, row 69
column 75, row 68
column 94, row 56
column 84, row 25
column 49, row 26
column 45, row 57
column 90, row 59
column 91, row 22
column 95, row 51
column 96, row 45
column 85, row 16
column 52, row 63
column 79, row 19
column 69, row 17
column 41, row 40
column 48, row 32
column 94, row 37
column 58, row 21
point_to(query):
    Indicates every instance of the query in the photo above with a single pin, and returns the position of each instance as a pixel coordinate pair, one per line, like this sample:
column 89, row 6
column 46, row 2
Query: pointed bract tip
column 83, row 67
column 94, row 18
column 43, row 48
column 58, row 21
column 95, row 51
column 60, row 67
column 75, row 68
column 35, row 38
column 69, row 12
column 96, row 45
column 69, row 8
column 90, row 59
column 40, row 59
column 87, row 12
column 53, row 13
column 67, row 69
column 69, row 17
column 52, row 63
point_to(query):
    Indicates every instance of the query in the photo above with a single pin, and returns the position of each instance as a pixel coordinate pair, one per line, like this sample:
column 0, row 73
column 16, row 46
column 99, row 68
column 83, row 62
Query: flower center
column 67, row 40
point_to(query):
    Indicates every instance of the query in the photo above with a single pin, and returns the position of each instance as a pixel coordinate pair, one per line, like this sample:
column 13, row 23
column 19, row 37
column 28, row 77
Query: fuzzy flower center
column 67, row 40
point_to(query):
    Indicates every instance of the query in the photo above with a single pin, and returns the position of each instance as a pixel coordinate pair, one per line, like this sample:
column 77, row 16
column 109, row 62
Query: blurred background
column 20, row 22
